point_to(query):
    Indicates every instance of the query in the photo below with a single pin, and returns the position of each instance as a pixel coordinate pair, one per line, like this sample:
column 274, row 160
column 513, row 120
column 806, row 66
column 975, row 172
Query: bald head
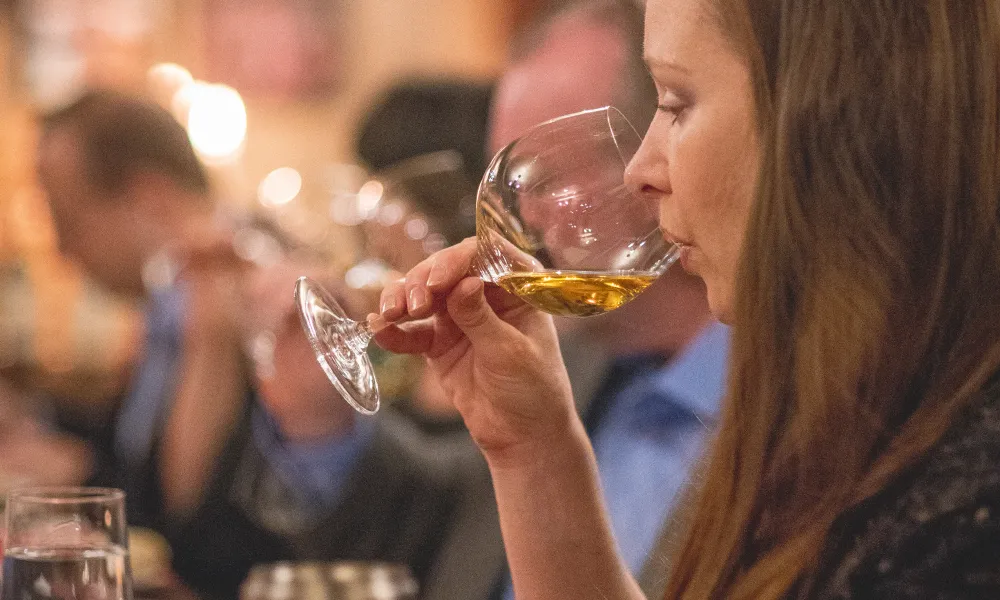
column 584, row 57
column 577, row 67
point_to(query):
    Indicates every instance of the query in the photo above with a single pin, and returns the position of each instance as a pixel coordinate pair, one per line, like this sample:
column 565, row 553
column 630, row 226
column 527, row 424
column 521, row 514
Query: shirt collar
column 165, row 313
column 696, row 378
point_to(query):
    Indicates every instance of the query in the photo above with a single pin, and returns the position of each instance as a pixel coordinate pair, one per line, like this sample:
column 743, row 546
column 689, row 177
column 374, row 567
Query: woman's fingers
column 420, row 292
column 449, row 266
column 415, row 337
column 430, row 337
column 443, row 277
column 418, row 297
column 501, row 300
column 469, row 309
column 392, row 302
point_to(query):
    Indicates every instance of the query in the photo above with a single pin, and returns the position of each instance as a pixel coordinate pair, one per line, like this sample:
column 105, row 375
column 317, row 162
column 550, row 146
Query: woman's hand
column 496, row 357
column 498, row 360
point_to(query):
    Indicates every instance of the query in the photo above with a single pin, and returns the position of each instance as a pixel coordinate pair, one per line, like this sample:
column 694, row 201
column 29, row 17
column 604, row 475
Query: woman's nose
column 647, row 173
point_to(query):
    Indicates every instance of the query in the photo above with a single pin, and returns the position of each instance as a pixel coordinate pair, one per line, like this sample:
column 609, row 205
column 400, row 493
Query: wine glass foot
column 331, row 333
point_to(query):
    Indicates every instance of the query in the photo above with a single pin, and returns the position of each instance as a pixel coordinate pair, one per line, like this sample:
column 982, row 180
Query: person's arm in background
column 209, row 393
column 301, row 427
column 292, row 387
column 499, row 361
column 26, row 435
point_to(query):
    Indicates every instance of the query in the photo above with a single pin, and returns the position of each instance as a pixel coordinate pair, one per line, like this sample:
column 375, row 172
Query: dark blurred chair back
column 429, row 138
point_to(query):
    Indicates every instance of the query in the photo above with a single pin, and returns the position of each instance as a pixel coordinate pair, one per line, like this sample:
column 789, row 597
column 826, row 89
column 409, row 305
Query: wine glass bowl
column 555, row 225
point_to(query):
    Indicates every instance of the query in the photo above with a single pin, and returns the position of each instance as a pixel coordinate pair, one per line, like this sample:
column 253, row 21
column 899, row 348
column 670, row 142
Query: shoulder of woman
column 937, row 532
column 965, row 464
column 959, row 479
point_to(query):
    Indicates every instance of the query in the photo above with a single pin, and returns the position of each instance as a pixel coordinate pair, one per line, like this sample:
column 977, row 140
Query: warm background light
column 279, row 187
column 165, row 79
column 216, row 121
column 369, row 197
column 417, row 228
column 295, row 100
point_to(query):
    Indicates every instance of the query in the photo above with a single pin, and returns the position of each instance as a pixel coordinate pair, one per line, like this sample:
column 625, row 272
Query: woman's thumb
column 469, row 309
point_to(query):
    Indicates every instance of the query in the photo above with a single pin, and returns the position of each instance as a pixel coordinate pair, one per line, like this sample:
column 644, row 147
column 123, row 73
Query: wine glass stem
column 360, row 336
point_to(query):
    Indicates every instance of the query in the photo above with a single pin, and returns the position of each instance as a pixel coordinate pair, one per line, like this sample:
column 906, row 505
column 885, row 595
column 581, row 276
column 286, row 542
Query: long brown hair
column 868, row 311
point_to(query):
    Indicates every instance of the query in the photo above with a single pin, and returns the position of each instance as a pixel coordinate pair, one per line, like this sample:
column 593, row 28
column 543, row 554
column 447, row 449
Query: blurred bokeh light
column 216, row 121
column 279, row 187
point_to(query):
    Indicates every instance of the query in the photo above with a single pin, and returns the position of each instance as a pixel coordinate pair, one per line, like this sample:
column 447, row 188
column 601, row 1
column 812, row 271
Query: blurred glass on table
column 66, row 544
column 330, row 581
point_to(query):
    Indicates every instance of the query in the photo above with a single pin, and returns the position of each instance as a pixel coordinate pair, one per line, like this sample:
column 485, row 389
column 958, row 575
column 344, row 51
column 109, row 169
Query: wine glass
column 330, row 581
column 555, row 225
column 66, row 543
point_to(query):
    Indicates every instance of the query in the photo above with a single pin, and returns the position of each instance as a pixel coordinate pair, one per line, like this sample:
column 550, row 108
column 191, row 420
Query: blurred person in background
column 649, row 376
column 233, row 466
column 421, row 116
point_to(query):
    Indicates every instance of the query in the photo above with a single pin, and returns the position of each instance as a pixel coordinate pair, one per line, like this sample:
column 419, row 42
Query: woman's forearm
column 555, row 527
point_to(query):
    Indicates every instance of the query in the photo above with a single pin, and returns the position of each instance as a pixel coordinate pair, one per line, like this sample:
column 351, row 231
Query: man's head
column 426, row 141
column 121, row 178
column 586, row 55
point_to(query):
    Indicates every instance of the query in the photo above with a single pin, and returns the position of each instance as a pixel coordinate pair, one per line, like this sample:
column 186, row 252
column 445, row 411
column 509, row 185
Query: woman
column 833, row 171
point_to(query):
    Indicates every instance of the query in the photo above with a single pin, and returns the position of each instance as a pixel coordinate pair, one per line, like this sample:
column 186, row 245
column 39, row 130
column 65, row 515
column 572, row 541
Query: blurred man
column 649, row 410
column 233, row 467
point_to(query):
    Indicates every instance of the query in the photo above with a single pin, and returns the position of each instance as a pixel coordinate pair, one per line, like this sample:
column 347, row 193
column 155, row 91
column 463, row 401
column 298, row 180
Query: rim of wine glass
column 608, row 111
column 65, row 495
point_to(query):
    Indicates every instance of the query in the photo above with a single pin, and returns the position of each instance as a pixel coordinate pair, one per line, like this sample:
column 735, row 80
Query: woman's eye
column 675, row 111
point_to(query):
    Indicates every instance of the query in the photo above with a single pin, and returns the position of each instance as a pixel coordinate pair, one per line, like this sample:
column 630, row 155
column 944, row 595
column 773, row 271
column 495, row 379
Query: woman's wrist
column 567, row 441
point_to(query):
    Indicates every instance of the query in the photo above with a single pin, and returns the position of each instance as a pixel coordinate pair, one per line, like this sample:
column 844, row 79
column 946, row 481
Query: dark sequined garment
column 936, row 532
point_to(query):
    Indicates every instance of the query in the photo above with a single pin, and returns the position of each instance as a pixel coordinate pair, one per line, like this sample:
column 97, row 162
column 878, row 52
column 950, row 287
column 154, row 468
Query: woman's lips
column 684, row 248
column 685, row 256
column 673, row 239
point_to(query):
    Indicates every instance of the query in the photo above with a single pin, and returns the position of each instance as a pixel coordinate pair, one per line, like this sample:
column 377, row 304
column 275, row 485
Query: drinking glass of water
column 66, row 544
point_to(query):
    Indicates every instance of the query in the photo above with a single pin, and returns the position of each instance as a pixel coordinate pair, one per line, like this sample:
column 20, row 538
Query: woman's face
column 700, row 155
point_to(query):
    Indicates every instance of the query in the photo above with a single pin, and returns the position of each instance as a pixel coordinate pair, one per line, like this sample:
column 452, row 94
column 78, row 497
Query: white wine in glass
column 555, row 225
column 575, row 293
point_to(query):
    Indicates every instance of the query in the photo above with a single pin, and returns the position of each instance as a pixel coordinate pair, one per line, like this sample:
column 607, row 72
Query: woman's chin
column 720, row 304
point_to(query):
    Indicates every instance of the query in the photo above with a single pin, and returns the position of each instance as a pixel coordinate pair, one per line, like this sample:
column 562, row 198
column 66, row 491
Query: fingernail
column 376, row 323
column 437, row 274
column 418, row 298
column 388, row 303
